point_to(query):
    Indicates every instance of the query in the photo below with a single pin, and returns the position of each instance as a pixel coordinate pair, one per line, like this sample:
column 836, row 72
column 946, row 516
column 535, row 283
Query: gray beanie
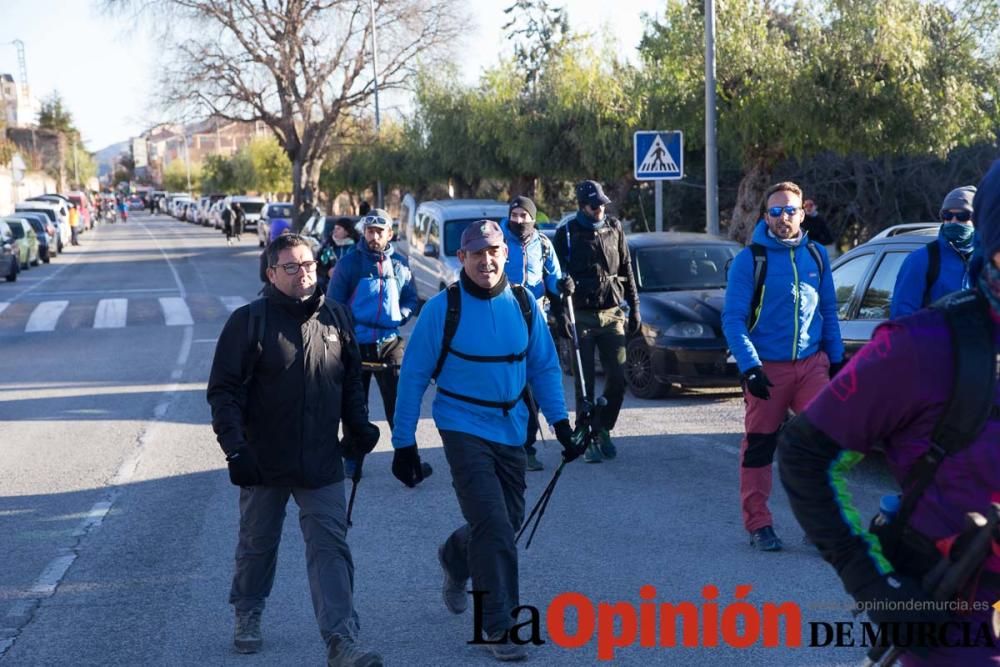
column 959, row 199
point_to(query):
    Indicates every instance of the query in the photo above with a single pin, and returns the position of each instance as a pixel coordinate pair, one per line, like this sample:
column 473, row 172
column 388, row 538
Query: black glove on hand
column 243, row 470
column 757, row 383
column 835, row 367
column 563, row 327
column 567, row 286
column 359, row 440
column 886, row 600
column 634, row 322
column 407, row 468
column 564, row 434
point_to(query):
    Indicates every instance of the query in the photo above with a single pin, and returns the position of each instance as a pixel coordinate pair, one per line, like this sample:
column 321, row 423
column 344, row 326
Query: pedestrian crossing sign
column 659, row 156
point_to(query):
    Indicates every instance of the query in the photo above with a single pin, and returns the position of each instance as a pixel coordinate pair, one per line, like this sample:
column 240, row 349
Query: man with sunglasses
column 780, row 321
column 942, row 266
column 377, row 287
column 286, row 371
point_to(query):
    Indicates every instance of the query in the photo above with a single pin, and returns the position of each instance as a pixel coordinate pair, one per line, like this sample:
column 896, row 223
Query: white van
column 432, row 234
column 251, row 208
column 57, row 213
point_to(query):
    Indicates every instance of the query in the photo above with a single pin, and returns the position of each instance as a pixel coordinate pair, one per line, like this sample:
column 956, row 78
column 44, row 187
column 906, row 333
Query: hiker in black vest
column 942, row 266
column 924, row 390
column 286, row 372
column 597, row 271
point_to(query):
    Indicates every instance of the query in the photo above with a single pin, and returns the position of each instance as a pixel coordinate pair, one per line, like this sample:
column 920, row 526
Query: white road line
column 3, row 305
column 175, row 311
column 45, row 316
column 111, row 314
column 230, row 302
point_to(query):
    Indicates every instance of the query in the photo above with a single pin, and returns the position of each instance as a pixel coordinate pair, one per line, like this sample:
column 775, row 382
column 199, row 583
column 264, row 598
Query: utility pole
column 371, row 6
column 187, row 159
column 711, row 143
column 76, row 166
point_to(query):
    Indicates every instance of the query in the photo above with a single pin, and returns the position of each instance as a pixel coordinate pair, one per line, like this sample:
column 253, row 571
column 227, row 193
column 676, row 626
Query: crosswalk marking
column 111, row 313
column 230, row 302
column 45, row 316
column 175, row 311
column 3, row 306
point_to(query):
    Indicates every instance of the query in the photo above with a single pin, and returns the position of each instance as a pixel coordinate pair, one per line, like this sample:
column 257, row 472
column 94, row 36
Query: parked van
column 432, row 235
column 251, row 208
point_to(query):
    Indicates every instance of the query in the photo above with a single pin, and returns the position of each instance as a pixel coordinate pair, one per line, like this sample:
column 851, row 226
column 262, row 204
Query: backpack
column 258, row 319
column 760, row 273
column 451, row 320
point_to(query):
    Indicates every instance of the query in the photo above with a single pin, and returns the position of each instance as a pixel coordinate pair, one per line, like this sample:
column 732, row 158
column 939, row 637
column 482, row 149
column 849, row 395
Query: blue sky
column 105, row 68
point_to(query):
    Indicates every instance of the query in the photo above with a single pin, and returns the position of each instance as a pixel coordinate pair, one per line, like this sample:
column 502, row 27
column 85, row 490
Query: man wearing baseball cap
column 483, row 342
column 377, row 287
column 598, row 277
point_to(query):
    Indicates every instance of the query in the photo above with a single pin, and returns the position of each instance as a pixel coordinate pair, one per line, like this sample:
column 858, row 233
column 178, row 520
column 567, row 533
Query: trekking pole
column 952, row 578
column 355, row 478
column 576, row 346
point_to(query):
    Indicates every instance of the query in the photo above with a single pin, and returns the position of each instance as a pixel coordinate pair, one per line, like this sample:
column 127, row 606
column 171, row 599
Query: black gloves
column 566, row 285
column 359, row 440
column 407, row 467
column 243, row 470
column 835, row 367
column 757, row 383
column 887, row 600
column 634, row 321
column 564, row 434
column 563, row 327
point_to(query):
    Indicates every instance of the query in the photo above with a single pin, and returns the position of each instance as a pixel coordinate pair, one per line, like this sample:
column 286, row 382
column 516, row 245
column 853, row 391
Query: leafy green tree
column 539, row 33
column 175, row 177
column 55, row 116
column 218, row 175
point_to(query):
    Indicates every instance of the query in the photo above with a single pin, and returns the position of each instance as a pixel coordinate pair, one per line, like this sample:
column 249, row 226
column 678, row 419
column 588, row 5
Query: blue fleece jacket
column 526, row 266
column 953, row 275
column 378, row 290
column 798, row 311
column 489, row 327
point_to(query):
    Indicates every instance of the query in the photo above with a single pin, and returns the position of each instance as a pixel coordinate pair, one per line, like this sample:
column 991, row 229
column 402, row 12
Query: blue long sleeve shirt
column 489, row 327
column 798, row 310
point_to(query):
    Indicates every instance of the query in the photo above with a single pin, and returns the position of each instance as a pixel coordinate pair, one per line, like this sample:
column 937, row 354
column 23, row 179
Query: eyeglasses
column 375, row 221
column 291, row 268
column 776, row 211
column 961, row 216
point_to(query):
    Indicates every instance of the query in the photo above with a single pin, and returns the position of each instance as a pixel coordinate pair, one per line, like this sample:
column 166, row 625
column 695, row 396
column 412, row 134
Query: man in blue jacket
column 493, row 356
column 531, row 262
column 942, row 266
column 780, row 321
column 377, row 288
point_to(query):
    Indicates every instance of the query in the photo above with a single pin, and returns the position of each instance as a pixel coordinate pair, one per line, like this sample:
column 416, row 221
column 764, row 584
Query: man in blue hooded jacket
column 941, row 267
column 787, row 345
column 531, row 262
column 377, row 287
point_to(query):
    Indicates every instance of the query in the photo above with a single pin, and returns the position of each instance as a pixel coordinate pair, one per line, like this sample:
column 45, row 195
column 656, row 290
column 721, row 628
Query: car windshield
column 282, row 211
column 453, row 233
column 251, row 206
column 682, row 267
column 17, row 230
column 36, row 225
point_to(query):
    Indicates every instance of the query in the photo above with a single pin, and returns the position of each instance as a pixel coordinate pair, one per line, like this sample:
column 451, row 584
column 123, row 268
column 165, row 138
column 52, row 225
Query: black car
column 866, row 276
column 40, row 224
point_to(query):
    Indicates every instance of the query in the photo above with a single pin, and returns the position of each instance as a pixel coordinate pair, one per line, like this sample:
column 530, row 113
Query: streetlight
column 371, row 6
column 711, row 147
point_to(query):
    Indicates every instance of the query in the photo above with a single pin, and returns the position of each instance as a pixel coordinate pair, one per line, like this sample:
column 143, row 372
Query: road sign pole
column 711, row 146
column 659, row 205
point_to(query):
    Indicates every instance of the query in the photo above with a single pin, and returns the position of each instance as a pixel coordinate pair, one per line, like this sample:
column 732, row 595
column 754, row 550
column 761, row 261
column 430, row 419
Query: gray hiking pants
column 488, row 478
column 323, row 520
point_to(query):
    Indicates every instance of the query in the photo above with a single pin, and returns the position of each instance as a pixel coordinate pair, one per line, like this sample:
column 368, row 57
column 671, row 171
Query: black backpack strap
column 814, row 251
column 547, row 251
column 451, row 319
column 759, row 274
column 506, row 406
column 255, row 335
column 524, row 300
column 970, row 404
column 933, row 269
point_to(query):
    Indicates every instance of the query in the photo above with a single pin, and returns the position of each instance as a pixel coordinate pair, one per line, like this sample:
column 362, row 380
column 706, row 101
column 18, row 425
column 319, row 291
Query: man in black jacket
column 597, row 273
column 283, row 378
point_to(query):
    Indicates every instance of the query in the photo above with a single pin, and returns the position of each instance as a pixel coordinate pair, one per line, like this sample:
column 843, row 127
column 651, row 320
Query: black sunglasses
column 961, row 216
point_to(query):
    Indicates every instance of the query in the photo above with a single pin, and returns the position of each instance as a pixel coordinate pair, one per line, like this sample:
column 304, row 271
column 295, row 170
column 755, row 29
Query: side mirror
column 430, row 250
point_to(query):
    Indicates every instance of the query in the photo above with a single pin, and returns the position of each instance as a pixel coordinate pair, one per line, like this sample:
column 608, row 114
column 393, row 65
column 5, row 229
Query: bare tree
column 301, row 67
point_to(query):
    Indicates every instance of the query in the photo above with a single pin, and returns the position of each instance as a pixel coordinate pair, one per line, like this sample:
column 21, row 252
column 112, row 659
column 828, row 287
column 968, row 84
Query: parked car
column 273, row 212
column 44, row 231
column 866, row 276
column 10, row 262
column 433, row 234
column 56, row 214
column 25, row 240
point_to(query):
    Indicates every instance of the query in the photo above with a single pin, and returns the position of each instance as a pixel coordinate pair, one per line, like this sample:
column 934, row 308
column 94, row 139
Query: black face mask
column 523, row 230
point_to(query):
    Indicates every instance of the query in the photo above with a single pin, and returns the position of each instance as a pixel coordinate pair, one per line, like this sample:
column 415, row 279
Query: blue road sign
column 659, row 156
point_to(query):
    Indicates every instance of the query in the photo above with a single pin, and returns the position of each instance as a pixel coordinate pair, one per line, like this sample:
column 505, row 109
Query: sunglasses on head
column 375, row 221
column 961, row 216
column 776, row 211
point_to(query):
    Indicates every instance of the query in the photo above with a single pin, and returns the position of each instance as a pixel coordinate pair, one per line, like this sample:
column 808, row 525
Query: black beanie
column 522, row 202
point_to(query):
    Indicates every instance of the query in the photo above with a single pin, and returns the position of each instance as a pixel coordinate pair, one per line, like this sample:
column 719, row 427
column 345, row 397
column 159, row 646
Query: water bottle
column 888, row 508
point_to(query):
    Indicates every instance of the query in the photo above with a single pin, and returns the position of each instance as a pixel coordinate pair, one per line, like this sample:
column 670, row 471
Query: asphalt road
column 118, row 523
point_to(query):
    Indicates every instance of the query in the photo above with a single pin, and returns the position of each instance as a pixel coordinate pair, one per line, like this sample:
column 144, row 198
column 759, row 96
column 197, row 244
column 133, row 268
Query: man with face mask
column 377, row 287
column 531, row 262
column 893, row 393
column 787, row 346
column 496, row 351
column 942, row 266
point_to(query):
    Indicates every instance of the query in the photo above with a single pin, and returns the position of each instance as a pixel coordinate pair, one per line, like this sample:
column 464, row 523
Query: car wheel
column 260, row 243
column 12, row 276
column 639, row 371
column 36, row 262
